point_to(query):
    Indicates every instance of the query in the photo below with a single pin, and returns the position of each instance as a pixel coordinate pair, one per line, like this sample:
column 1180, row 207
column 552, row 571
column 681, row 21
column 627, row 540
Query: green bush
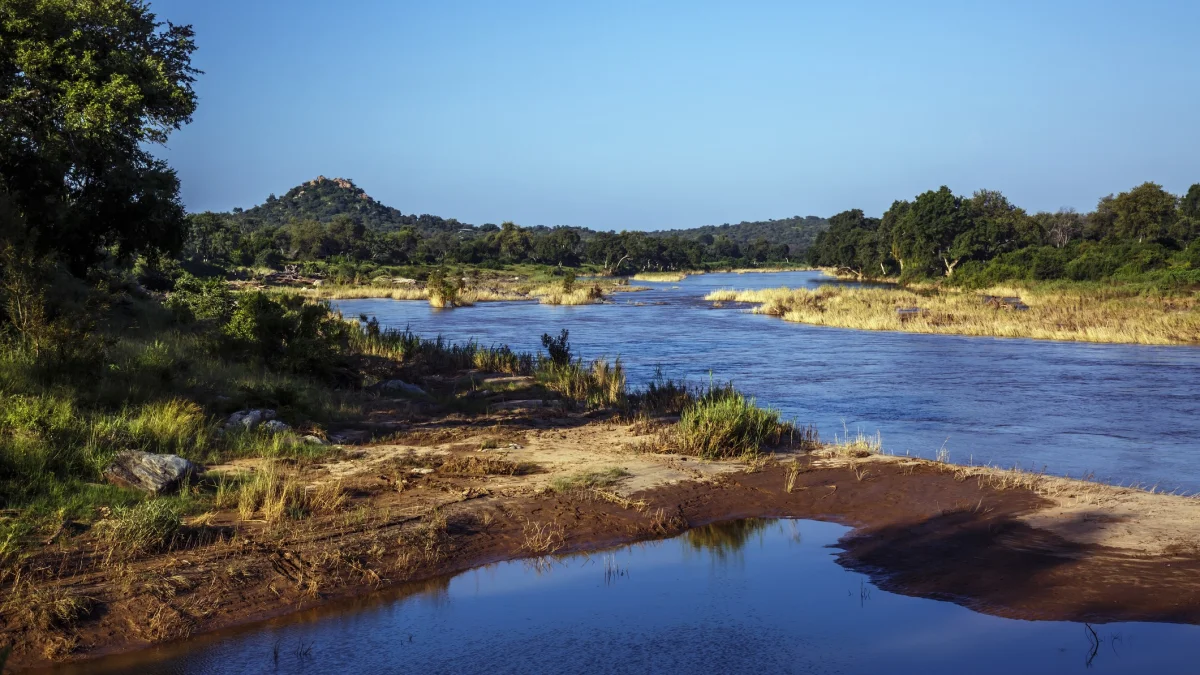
column 726, row 424
column 200, row 299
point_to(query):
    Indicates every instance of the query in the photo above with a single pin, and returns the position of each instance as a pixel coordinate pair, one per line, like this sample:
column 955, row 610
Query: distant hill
column 324, row 198
column 797, row 232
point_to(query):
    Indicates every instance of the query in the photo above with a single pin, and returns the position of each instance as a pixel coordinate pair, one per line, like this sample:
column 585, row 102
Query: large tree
column 85, row 87
column 1144, row 213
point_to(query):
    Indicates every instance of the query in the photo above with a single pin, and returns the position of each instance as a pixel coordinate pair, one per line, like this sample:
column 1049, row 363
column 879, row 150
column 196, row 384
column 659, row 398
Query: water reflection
column 674, row 606
column 725, row 539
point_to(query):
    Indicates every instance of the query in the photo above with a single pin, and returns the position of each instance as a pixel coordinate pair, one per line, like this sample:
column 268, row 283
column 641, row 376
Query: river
column 1125, row 414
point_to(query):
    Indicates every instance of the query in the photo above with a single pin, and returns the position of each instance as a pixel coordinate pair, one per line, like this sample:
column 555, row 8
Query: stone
column 276, row 426
column 249, row 419
column 153, row 473
column 525, row 405
column 315, row 440
column 400, row 387
column 350, row 437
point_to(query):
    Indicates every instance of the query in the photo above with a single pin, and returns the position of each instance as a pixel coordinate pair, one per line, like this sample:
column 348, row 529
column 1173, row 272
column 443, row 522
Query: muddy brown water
column 764, row 596
column 1124, row 414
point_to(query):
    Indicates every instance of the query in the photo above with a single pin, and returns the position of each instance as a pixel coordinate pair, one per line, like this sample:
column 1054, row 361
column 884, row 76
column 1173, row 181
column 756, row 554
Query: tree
column 1144, row 213
column 84, row 87
column 1189, row 206
column 935, row 221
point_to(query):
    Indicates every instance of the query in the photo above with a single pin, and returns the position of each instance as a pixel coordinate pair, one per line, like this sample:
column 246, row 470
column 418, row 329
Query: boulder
column 315, row 440
column 150, row 472
column 349, row 437
column 400, row 387
column 249, row 419
column 275, row 426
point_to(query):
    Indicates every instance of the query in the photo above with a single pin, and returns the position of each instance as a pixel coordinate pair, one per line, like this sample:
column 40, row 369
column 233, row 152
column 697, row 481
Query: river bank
column 1090, row 313
column 454, row 493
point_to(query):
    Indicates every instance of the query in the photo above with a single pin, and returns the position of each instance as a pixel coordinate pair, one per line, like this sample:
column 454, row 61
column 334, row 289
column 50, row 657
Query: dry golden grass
column 495, row 291
column 553, row 294
column 1054, row 313
column 661, row 276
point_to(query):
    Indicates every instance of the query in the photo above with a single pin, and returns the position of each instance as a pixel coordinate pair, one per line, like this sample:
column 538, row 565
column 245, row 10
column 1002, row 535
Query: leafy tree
column 1144, row 213
column 84, row 88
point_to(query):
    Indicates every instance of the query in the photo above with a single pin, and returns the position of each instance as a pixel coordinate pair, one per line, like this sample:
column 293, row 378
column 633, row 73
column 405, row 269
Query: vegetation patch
column 1055, row 311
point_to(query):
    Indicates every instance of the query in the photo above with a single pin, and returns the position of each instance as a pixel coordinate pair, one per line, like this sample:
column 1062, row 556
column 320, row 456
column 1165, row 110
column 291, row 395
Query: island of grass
column 1087, row 312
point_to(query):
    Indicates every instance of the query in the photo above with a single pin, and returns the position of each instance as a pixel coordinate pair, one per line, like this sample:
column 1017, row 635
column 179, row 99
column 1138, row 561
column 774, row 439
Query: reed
column 555, row 295
column 1056, row 311
column 661, row 276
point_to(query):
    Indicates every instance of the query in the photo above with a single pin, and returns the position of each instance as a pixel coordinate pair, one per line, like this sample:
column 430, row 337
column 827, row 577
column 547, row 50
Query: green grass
column 726, row 424
column 148, row 527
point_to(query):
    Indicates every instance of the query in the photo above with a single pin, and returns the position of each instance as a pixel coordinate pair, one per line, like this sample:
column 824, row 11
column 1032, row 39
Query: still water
column 743, row 596
column 1124, row 413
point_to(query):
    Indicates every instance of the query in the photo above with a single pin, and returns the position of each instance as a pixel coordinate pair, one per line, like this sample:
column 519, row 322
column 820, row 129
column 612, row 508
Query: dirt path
column 442, row 499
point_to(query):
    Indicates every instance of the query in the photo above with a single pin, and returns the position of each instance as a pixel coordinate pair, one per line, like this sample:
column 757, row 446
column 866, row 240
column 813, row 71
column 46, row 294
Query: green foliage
column 205, row 299
column 84, row 88
column 558, row 348
column 288, row 332
column 724, row 424
column 984, row 239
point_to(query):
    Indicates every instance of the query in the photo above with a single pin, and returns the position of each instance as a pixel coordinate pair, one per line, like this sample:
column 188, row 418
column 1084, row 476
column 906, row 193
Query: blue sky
column 636, row 115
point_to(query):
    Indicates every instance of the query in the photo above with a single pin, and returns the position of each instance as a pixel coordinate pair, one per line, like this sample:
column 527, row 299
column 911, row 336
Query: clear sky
column 634, row 115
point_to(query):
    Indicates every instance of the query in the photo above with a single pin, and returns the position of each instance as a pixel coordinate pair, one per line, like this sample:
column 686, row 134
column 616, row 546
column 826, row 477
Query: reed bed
column 1054, row 312
column 660, row 276
column 547, row 294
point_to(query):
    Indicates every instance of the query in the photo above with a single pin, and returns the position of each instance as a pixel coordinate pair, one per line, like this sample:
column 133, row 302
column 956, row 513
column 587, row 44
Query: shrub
column 195, row 298
column 148, row 527
column 558, row 348
column 723, row 424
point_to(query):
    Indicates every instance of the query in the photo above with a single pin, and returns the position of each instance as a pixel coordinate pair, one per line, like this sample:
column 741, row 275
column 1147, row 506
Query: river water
column 1127, row 414
column 751, row 596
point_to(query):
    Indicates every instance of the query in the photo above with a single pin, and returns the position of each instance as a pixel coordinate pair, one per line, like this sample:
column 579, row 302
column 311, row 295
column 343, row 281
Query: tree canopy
column 84, row 88
column 938, row 234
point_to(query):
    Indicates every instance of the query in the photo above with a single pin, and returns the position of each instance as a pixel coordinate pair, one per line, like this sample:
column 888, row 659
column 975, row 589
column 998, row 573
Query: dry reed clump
column 555, row 295
column 474, row 465
column 661, row 276
column 47, row 606
column 1055, row 312
column 587, row 480
column 543, row 538
column 148, row 527
column 855, row 447
column 602, row 384
column 276, row 495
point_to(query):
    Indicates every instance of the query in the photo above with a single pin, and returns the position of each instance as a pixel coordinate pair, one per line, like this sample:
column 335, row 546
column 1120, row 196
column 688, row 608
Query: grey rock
column 315, row 440
column 350, row 437
column 249, row 419
column 400, row 387
column 276, row 426
column 524, row 405
column 149, row 472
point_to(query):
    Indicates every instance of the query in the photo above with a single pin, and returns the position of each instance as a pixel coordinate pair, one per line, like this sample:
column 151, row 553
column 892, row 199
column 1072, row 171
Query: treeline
column 225, row 240
column 797, row 232
column 1145, row 234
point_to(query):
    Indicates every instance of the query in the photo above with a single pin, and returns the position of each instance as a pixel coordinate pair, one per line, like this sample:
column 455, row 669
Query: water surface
column 750, row 596
column 1125, row 413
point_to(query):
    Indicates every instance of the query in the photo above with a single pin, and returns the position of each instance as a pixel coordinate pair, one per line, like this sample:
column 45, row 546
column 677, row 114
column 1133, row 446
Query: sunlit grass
column 1056, row 311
